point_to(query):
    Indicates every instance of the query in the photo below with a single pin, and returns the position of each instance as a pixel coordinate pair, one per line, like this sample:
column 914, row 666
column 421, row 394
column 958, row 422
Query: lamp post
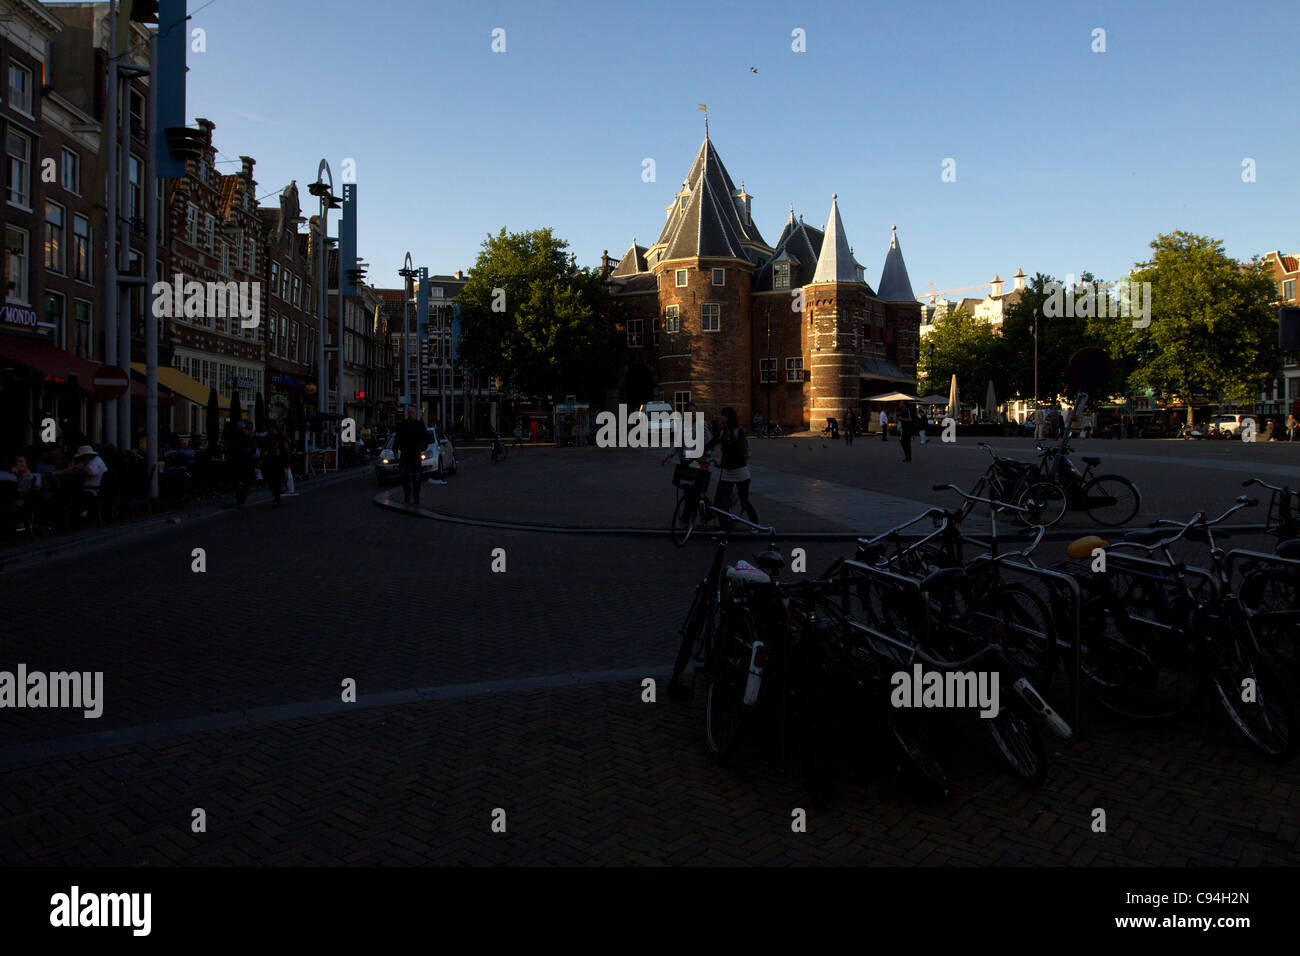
column 323, row 189
column 1035, row 358
column 770, row 372
column 408, row 273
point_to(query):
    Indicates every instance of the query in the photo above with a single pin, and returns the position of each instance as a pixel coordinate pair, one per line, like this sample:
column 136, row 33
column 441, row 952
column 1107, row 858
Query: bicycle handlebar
column 928, row 513
column 1242, row 502
column 999, row 505
column 1264, row 484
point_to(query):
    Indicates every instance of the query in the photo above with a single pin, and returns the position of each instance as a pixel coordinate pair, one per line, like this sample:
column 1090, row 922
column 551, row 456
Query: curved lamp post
column 323, row 188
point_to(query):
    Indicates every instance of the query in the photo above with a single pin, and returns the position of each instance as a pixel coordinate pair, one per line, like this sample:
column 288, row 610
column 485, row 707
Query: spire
column 895, row 286
column 835, row 261
column 706, row 218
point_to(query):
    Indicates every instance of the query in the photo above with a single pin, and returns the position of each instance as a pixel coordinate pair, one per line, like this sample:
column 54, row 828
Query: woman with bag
column 735, row 465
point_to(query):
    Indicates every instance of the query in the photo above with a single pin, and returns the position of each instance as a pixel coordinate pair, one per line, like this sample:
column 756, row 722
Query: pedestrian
column 850, row 426
column 735, row 466
column 532, row 431
column 411, row 439
column 275, row 461
column 239, row 459
column 884, row 425
column 923, row 424
column 1290, row 427
column 906, row 428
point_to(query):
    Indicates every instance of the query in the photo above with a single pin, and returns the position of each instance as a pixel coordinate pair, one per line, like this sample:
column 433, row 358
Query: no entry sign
column 111, row 382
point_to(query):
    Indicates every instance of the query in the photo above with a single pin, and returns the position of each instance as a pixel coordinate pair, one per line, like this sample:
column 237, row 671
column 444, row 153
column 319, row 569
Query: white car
column 659, row 420
column 436, row 461
column 1228, row 426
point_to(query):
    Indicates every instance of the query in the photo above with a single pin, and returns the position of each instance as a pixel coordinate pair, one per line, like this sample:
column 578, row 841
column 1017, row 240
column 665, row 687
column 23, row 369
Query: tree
column 532, row 317
column 1059, row 337
column 959, row 344
column 1213, row 329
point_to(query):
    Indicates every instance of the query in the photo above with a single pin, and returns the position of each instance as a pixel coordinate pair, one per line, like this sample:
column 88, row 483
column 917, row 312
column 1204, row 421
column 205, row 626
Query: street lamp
column 770, row 373
column 323, row 189
column 407, row 272
column 1036, row 358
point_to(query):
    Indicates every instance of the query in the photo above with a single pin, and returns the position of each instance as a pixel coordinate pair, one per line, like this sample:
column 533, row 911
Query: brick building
column 1284, row 396
column 290, row 318
column 716, row 316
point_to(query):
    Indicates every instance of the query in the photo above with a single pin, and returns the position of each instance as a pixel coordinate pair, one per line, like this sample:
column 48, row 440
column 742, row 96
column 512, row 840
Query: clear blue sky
column 1066, row 159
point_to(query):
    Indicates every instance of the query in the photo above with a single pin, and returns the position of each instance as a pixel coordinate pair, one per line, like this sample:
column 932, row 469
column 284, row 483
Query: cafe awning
column 892, row 397
column 174, row 380
column 57, row 365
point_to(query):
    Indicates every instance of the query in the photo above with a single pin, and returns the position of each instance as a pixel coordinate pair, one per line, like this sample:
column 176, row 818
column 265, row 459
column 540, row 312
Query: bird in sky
column 753, row 69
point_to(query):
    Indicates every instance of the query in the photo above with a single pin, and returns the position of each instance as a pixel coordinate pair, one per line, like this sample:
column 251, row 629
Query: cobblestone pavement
column 222, row 692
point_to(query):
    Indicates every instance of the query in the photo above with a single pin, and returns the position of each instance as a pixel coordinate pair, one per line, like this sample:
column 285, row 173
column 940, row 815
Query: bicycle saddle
column 770, row 561
column 1289, row 549
column 743, row 573
column 942, row 579
column 1081, row 548
column 868, row 554
column 1090, row 460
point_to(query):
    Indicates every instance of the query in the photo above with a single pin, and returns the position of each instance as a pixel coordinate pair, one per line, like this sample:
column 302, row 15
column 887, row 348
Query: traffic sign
column 111, row 382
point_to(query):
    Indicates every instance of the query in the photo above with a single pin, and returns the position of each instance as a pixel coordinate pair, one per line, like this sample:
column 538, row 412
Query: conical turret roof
column 895, row 286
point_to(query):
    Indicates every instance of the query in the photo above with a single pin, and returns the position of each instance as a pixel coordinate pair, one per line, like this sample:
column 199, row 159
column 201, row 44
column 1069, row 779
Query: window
column 673, row 319
column 252, row 256
column 781, row 275
column 275, row 278
column 1288, row 290
column 135, row 189
column 719, row 276
column 191, row 224
column 767, row 370
column 71, row 172
column 709, row 317
column 20, row 154
column 137, row 114
column 794, row 369
column 55, row 250
column 209, row 231
column 635, row 333
column 16, row 264
column 681, row 278
column 20, row 88
column 293, row 342
column 297, row 291
column 680, row 401
column 82, row 344
column 54, row 315
column 283, row 342
column 284, row 285
column 656, row 327
column 225, row 259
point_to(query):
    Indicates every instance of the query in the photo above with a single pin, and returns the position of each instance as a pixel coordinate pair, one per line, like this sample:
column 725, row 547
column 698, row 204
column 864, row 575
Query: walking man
column 850, row 425
column 906, row 426
column 275, row 461
column 884, row 425
column 411, row 440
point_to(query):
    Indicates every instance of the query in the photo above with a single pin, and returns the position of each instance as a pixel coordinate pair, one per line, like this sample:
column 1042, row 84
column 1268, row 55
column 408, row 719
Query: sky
column 1065, row 159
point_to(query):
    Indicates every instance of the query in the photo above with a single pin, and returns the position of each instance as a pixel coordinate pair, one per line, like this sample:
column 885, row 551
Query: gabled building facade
column 716, row 317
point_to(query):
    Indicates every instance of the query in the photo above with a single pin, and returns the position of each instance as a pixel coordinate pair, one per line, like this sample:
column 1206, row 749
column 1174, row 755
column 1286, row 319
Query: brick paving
column 330, row 587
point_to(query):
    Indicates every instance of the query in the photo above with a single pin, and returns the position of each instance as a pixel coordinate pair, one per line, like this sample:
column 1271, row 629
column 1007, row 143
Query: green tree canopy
column 1213, row 329
column 959, row 344
column 531, row 316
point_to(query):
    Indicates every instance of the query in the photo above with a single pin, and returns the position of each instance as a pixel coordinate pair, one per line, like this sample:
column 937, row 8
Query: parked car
column 437, row 460
column 1227, row 426
column 659, row 420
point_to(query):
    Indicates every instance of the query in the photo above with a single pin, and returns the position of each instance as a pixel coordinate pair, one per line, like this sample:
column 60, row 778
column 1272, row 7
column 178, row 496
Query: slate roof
column 709, row 225
column 633, row 261
column 835, row 262
column 799, row 243
column 895, row 286
column 873, row 367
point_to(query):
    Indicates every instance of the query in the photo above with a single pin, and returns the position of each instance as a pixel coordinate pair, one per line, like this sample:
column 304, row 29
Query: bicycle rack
column 1262, row 556
column 1075, row 595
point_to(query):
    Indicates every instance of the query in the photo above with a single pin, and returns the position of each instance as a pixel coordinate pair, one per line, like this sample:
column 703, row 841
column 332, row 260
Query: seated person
column 91, row 468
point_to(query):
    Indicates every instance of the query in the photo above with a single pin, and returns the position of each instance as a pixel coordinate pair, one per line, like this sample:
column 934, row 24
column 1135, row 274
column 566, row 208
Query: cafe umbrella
column 236, row 412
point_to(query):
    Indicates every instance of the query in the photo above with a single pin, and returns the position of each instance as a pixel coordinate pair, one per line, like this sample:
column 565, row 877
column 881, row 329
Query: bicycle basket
column 690, row 478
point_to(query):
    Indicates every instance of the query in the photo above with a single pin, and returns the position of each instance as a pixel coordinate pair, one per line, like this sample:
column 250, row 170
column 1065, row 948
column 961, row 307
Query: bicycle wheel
column 685, row 515
column 1111, row 500
column 1050, row 503
column 1273, row 597
column 1249, row 688
column 1019, row 742
column 724, row 708
column 917, row 765
column 1015, row 617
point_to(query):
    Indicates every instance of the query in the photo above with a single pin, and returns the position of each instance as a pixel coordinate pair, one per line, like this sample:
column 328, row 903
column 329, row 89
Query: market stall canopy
column 934, row 400
column 892, row 397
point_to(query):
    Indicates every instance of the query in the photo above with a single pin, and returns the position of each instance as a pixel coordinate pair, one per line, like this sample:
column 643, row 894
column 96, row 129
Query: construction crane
column 932, row 295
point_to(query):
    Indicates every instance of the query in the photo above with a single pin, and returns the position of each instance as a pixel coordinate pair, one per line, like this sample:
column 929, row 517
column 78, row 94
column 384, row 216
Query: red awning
column 57, row 364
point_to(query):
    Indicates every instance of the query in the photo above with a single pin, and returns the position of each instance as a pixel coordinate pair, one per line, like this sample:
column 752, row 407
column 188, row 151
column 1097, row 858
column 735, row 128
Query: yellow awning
column 174, row 380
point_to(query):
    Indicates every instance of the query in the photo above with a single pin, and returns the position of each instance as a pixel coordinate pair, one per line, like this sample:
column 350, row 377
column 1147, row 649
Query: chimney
column 1020, row 280
column 248, row 163
column 460, row 274
column 995, row 287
